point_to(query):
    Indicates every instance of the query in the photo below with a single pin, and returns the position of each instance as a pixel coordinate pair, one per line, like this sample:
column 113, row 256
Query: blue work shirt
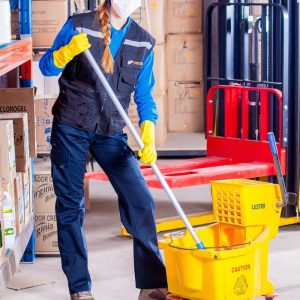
column 143, row 95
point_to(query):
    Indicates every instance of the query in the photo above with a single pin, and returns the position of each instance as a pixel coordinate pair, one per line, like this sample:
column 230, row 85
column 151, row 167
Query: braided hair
column 107, row 61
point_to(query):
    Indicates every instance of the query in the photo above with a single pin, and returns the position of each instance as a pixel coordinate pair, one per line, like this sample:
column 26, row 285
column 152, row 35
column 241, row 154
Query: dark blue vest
column 83, row 102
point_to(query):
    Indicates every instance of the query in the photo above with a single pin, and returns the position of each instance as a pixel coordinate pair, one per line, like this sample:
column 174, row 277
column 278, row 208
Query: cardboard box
column 184, row 16
column 43, row 192
column 45, row 86
column 44, row 201
column 156, row 24
column 185, row 57
column 14, row 21
column 10, row 189
column 185, row 107
column 44, row 120
column 44, row 196
column 38, row 79
column 2, row 238
column 18, row 100
column 160, row 71
column 48, row 17
column 8, row 154
column 26, row 194
column 9, row 217
column 256, row 11
column 46, row 233
column 21, row 135
column 19, row 203
column 161, row 126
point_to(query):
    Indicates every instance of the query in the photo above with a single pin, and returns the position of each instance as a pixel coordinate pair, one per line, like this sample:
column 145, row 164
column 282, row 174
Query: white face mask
column 124, row 8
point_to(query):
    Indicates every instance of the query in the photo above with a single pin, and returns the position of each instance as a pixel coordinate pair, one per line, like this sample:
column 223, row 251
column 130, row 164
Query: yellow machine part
column 233, row 267
column 235, row 264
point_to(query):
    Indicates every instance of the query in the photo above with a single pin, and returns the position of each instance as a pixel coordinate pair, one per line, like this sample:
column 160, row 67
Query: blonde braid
column 104, row 18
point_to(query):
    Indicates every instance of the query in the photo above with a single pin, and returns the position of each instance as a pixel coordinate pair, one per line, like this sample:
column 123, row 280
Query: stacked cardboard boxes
column 18, row 105
column 21, row 138
column 44, row 202
column 184, row 16
column 178, row 68
column 47, row 19
column 185, row 66
column 8, row 175
column 21, row 100
column 186, row 109
column 14, row 165
column 44, row 120
column 154, row 22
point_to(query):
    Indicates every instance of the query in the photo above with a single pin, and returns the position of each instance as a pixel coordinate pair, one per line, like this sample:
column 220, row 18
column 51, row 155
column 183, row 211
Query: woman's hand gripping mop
column 137, row 138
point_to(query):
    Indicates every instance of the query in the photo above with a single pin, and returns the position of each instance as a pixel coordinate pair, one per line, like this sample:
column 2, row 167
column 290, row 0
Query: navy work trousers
column 69, row 152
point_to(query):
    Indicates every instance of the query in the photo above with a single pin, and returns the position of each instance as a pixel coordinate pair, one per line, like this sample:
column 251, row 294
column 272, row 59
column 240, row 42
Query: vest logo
column 258, row 206
column 135, row 63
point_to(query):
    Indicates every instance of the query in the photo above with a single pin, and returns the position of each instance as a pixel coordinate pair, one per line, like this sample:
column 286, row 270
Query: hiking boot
column 153, row 294
column 82, row 296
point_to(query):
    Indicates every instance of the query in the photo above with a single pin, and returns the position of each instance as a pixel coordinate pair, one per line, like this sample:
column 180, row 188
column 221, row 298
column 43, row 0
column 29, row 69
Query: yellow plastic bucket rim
column 208, row 253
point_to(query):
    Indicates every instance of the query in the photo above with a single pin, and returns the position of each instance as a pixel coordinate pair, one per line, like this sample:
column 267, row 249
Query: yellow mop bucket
column 234, row 265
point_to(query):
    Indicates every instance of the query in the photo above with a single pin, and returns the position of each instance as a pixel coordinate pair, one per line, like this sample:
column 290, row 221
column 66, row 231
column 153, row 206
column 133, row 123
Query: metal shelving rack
column 18, row 53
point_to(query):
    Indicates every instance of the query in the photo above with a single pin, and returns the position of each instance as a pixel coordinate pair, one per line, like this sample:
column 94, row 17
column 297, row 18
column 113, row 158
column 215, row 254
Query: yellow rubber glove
column 65, row 54
column 148, row 154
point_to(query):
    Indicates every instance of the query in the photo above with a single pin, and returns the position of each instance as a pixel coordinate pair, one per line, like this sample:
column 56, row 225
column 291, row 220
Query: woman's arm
column 143, row 96
column 47, row 66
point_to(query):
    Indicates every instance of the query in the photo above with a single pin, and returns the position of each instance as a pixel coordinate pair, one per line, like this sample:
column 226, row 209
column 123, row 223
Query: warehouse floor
column 110, row 255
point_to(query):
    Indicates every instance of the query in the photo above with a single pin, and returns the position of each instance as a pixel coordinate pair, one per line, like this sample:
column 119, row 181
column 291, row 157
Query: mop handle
column 272, row 143
column 140, row 143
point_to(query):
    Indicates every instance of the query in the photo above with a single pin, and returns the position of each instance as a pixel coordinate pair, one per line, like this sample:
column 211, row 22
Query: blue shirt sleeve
column 63, row 38
column 143, row 96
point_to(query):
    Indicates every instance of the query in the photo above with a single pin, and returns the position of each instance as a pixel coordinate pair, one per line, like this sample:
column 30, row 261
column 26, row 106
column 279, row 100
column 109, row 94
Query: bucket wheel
column 271, row 296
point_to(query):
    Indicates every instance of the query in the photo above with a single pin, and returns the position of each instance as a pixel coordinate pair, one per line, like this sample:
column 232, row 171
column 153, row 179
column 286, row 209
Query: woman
column 85, row 120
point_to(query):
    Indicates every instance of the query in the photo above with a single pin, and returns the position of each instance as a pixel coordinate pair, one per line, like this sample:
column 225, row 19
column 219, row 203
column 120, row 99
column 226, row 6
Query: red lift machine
column 228, row 157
